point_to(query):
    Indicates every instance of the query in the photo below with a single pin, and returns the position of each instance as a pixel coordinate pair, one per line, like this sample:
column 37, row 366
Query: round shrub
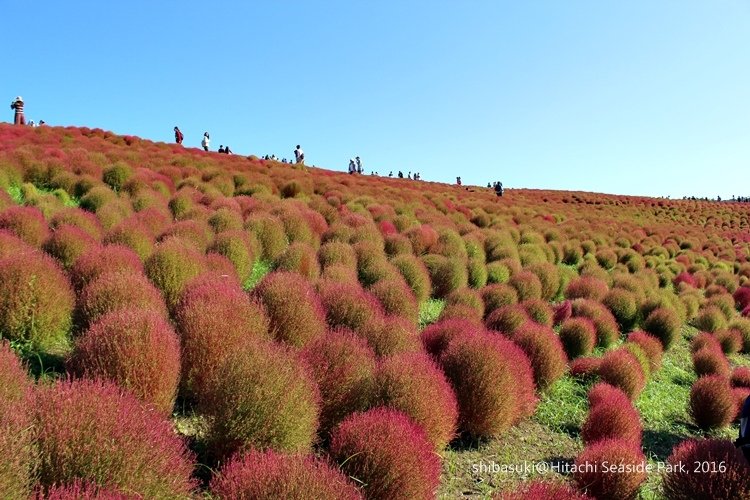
column 422, row 238
column 562, row 312
column 437, row 336
column 236, row 246
column 539, row 311
column 115, row 291
column 527, row 285
column 540, row 490
column 343, row 366
column 196, row 233
column 607, row 331
column 396, row 298
column 507, row 319
column 11, row 244
column 299, row 258
column 549, row 276
column 337, row 253
column 116, row 441
column 610, row 468
column 104, row 259
column 742, row 325
column 67, row 243
column 413, row 384
column 585, row 367
column 220, row 267
column 709, row 361
column 710, row 319
column 172, row 265
column 664, row 324
column 262, row 397
column 578, row 336
column 133, row 234
column 497, row 273
column 623, row 306
column 489, row 409
column 461, row 311
column 586, row 287
column 27, row 223
column 16, row 439
column 622, row 369
column 712, row 404
column 612, row 417
column 478, row 275
column 214, row 318
column 78, row 218
column 268, row 474
column 391, row 335
column 651, row 347
column 545, row 351
column 467, row 297
column 446, row 274
column 742, row 297
column 294, row 308
column 270, row 233
column 730, row 340
column 225, row 219
column 495, row 296
column 741, row 377
column 348, row 305
column 416, row 275
column 705, row 339
column 136, row 349
column 36, row 302
column 388, row 454
column 705, row 469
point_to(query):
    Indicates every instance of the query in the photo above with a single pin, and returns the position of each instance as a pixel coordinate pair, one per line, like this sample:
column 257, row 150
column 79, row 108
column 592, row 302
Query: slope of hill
column 262, row 309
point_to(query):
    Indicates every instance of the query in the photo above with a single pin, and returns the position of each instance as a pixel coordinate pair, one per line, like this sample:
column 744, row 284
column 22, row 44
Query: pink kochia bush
column 545, row 351
column 36, row 301
column 611, row 416
column 437, row 336
column 388, row 454
column 343, row 366
column 136, row 349
column 415, row 385
column 621, row 369
column 269, row 474
column 114, row 291
column 67, row 243
column 651, row 347
column 25, row 222
column 294, row 308
column 712, row 404
column 214, row 317
column 100, row 260
column 81, row 490
column 116, row 441
column 348, row 305
column 261, row 397
column 610, row 468
column 711, row 468
column 540, row 490
column 489, row 409
column 16, row 447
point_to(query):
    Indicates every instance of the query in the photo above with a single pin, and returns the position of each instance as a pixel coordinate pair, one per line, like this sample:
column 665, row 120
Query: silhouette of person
column 17, row 105
column 178, row 137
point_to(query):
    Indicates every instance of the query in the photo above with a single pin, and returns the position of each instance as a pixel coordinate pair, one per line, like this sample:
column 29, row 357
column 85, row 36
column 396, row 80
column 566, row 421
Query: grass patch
column 260, row 269
column 563, row 407
column 429, row 311
column 15, row 193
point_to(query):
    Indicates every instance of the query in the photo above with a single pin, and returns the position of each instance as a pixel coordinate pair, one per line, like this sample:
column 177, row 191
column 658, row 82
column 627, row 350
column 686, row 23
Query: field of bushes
column 183, row 324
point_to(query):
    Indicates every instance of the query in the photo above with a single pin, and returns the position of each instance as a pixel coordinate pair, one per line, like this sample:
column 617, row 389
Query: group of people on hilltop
column 355, row 165
column 497, row 186
column 19, row 118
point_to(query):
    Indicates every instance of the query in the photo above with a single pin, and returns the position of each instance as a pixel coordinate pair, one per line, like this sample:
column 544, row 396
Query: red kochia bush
column 742, row 297
column 711, row 468
column 437, row 336
column 172, row 265
column 527, row 285
column 136, row 349
column 712, row 404
column 294, row 308
column 540, row 490
column 578, row 336
column 611, row 416
column 113, row 291
column 586, row 287
column 348, row 305
column 116, row 441
column 67, row 243
column 710, row 361
column 610, row 468
column 585, row 366
column 16, row 439
column 507, row 319
column 664, row 324
column 741, row 377
column 489, row 409
column 621, row 369
column 261, row 397
column 413, row 384
column 343, row 366
column 497, row 295
column 81, row 490
column 562, row 311
column 214, row 317
column 104, row 259
column 388, row 454
column 134, row 234
column 607, row 331
column 397, row 298
column 36, row 302
column 269, row 474
column 730, row 340
column 545, row 351
column 25, row 222
column 651, row 347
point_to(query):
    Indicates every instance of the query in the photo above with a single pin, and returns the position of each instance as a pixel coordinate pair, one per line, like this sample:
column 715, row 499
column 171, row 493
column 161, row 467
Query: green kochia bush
column 116, row 441
column 172, row 265
column 36, row 301
column 446, row 274
column 416, row 275
column 270, row 475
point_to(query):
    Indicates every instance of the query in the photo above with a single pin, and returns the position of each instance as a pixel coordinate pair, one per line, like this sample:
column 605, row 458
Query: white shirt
column 205, row 142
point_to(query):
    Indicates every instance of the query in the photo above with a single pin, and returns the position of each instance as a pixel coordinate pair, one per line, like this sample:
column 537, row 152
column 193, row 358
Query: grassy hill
column 253, row 305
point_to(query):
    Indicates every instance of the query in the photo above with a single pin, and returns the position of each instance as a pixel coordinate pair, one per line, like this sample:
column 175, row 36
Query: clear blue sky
column 630, row 97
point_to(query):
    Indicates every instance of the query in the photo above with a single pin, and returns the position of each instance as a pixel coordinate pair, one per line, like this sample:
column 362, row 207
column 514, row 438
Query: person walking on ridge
column 352, row 167
column 17, row 105
column 206, row 141
column 178, row 137
column 299, row 155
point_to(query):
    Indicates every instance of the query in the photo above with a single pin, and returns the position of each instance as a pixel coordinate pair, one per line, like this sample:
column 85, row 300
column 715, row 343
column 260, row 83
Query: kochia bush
column 622, row 369
column 172, row 265
column 578, row 336
column 25, row 222
column 712, row 404
column 104, row 259
column 616, row 469
column 611, row 416
column 545, row 351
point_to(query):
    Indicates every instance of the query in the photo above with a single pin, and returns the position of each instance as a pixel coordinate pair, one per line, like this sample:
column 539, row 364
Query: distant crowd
column 736, row 199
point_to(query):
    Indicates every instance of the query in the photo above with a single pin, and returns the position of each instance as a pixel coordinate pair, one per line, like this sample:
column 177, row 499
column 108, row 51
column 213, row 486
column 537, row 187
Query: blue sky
column 631, row 97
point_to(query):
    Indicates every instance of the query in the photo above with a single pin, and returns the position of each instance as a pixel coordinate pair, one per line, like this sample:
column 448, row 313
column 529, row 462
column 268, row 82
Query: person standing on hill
column 206, row 141
column 178, row 137
column 299, row 155
column 499, row 188
column 352, row 167
column 359, row 165
column 17, row 105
